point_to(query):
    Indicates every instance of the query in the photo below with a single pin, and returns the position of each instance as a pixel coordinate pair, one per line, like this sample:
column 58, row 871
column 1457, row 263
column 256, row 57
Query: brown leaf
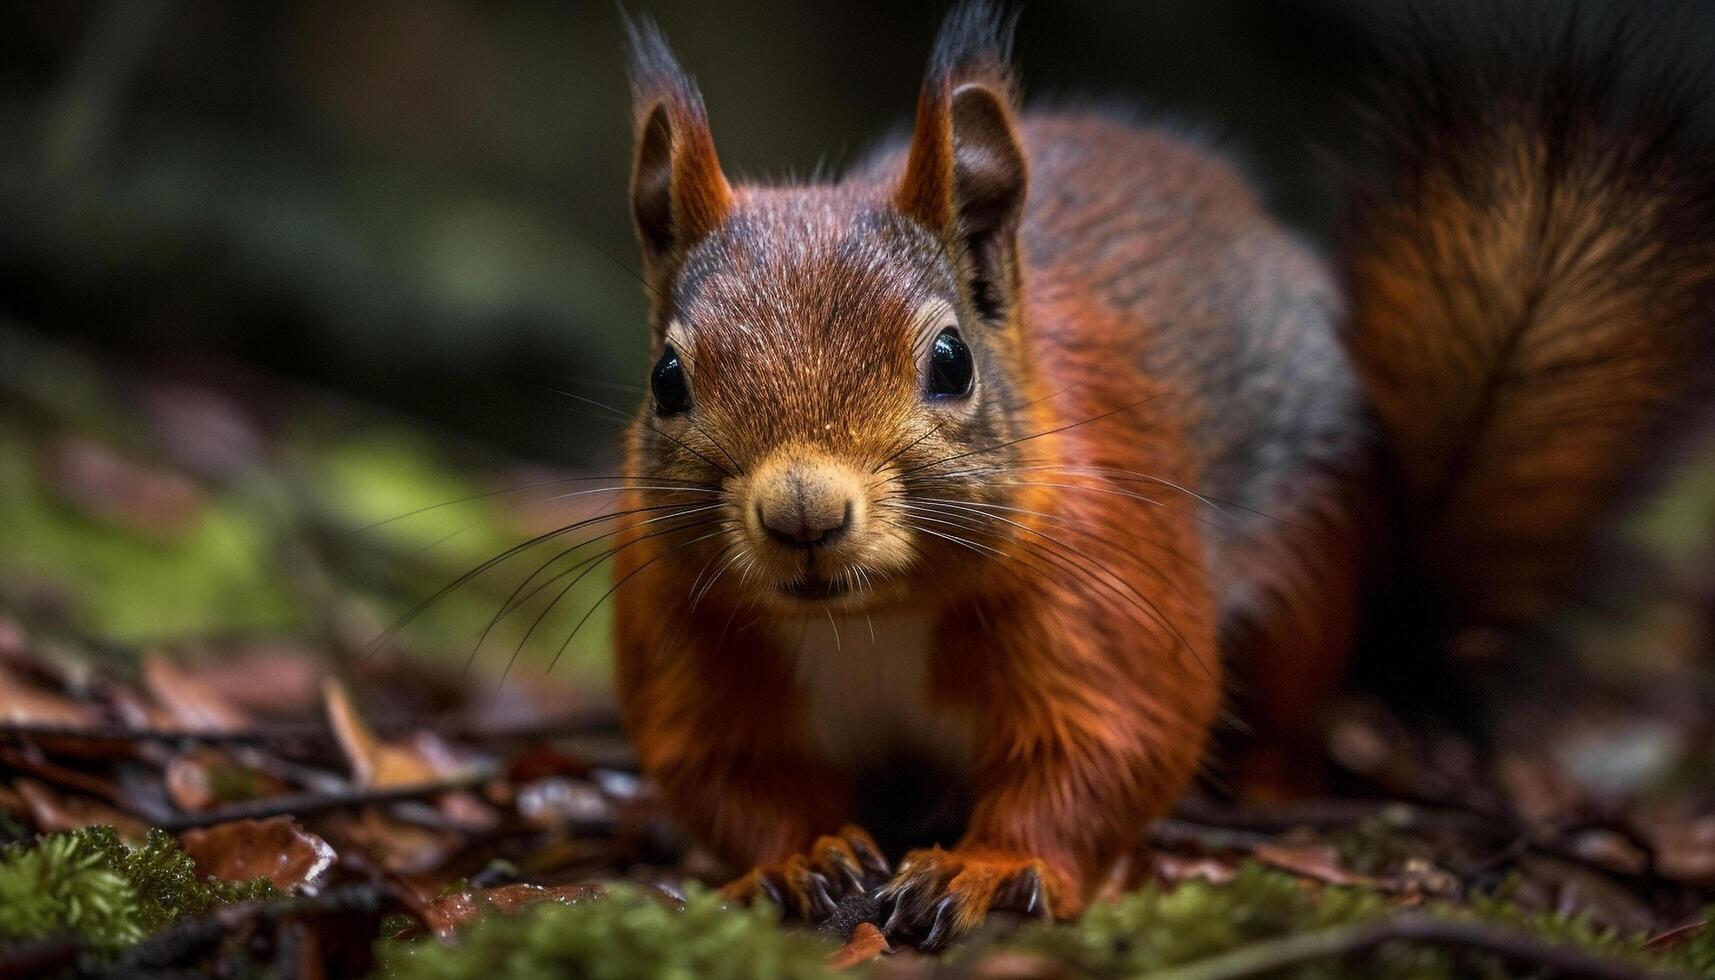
column 1607, row 849
column 206, row 777
column 1173, row 869
column 188, row 700
column 269, row 677
column 396, row 846
column 52, row 811
column 1677, row 935
column 96, row 479
column 1685, row 849
column 13, row 641
column 376, row 764
column 290, row 857
column 26, row 704
column 1314, row 861
column 445, row 915
column 866, row 943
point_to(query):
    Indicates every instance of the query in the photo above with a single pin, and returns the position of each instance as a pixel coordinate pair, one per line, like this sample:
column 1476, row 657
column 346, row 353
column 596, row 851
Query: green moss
column 1157, row 928
column 89, row 883
column 628, row 935
column 632, row 935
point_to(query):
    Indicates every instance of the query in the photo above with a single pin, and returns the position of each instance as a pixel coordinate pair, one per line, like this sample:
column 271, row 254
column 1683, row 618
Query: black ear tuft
column 966, row 170
column 654, row 71
column 974, row 45
column 678, row 193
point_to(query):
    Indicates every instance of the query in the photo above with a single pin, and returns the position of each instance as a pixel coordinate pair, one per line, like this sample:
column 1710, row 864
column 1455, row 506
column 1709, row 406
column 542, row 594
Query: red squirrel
column 974, row 475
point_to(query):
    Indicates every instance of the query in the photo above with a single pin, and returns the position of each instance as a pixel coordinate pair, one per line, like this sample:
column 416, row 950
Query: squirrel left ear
column 965, row 173
column 678, row 192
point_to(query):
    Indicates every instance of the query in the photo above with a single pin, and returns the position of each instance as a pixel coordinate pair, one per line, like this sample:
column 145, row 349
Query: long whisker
column 588, row 565
column 615, row 587
column 1116, row 472
column 913, row 444
column 690, row 485
column 651, row 427
column 1167, row 580
column 1021, row 439
column 512, row 601
column 418, row 609
column 732, row 554
column 1108, row 579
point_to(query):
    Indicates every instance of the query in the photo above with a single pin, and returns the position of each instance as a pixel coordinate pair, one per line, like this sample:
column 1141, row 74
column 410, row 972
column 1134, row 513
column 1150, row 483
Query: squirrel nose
column 804, row 509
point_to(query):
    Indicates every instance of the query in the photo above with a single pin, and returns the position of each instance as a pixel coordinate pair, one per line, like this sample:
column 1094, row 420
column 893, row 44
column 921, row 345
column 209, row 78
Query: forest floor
column 216, row 758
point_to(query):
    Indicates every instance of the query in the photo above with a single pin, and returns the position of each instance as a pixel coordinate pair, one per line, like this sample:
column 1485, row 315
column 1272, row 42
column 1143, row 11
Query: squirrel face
column 839, row 364
column 814, row 365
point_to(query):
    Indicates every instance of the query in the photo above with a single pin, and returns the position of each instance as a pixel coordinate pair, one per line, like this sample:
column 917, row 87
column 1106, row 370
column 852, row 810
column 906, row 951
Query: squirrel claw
column 939, row 896
column 811, row 886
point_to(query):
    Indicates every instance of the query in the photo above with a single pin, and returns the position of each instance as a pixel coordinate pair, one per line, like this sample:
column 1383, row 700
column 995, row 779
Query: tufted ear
column 965, row 173
column 678, row 193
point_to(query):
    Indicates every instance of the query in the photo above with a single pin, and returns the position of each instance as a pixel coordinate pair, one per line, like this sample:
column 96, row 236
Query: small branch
column 1341, row 814
column 1267, row 958
column 120, row 733
column 297, row 804
column 585, row 723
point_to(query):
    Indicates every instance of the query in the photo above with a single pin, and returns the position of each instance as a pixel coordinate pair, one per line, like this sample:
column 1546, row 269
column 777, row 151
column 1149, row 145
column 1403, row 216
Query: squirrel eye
column 951, row 372
column 667, row 381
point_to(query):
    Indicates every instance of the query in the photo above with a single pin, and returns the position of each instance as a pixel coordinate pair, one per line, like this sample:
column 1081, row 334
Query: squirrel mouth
column 812, row 589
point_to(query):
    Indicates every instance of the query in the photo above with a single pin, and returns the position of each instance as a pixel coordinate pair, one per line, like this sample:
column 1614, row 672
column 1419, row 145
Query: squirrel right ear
column 965, row 173
column 678, row 193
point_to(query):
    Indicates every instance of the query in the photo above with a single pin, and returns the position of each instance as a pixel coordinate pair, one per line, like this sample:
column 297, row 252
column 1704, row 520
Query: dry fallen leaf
column 99, row 481
column 267, row 677
column 866, row 943
column 290, row 857
column 52, row 811
column 445, row 915
column 1315, row 861
column 376, row 764
column 399, row 847
column 205, row 777
column 1685, row 849
column 188, row 700
column 1173, row 869
column 26, row 704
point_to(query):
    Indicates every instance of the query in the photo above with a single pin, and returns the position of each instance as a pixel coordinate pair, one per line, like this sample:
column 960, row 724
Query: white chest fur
column 866, row 687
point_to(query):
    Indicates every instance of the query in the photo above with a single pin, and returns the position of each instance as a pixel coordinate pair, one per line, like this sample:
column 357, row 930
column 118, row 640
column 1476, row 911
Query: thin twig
column 297, row 804
column 595, row 721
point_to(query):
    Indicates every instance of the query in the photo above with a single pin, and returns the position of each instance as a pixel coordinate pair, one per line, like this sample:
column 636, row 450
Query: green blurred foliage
column 131, row 586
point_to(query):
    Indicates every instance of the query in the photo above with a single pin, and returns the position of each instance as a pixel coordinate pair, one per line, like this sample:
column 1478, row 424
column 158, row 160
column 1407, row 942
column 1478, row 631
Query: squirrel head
column 842, row 363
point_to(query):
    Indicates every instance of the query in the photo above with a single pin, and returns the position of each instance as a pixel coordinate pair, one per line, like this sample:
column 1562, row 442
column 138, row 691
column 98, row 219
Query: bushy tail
column 1531, row 288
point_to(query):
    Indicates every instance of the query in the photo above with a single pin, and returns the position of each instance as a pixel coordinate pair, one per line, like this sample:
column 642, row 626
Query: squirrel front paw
column 938, row 896
column 811, row 886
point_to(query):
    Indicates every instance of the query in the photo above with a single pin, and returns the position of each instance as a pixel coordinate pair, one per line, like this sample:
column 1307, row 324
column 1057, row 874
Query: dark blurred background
column 274, row 274
column 421, row 202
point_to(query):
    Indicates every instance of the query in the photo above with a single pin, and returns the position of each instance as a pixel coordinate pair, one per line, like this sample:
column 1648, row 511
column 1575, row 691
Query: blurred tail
column 1531, row 291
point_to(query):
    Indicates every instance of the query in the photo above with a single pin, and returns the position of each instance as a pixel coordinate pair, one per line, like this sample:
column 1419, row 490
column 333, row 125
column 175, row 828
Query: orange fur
column 1157, row 463
column 1049, row 527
